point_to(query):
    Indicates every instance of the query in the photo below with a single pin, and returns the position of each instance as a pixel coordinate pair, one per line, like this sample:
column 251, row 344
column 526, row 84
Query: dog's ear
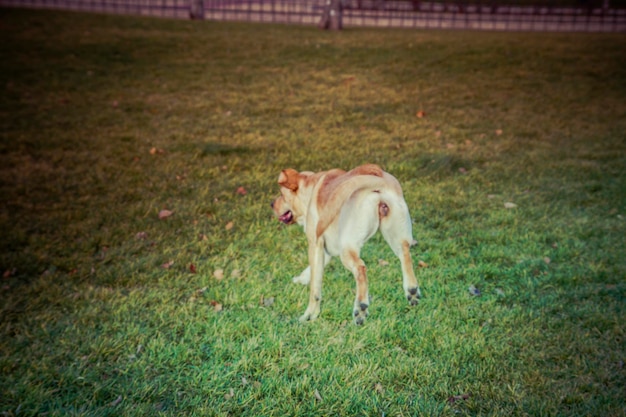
column 288, row 178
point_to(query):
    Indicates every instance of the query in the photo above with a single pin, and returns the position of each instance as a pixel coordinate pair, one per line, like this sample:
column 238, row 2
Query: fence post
column 196, row 9
column 332, row 15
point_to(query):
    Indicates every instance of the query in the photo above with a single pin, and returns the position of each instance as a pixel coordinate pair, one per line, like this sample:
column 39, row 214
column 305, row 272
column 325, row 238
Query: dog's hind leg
column 395, row 226
column 351, row 260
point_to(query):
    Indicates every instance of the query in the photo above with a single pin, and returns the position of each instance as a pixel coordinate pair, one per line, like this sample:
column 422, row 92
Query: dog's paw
column 360, row 313
column 303, row 279
column 413, row 295
column 309, row 315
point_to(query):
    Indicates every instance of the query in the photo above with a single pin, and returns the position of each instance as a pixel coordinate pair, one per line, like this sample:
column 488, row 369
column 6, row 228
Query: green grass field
column 515, row 175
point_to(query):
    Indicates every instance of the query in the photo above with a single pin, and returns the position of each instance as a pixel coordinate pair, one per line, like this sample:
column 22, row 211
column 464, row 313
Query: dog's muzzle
column 287, row 217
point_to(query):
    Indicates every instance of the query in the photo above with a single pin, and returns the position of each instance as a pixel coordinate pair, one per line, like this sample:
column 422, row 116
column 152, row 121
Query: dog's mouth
column 286, row 217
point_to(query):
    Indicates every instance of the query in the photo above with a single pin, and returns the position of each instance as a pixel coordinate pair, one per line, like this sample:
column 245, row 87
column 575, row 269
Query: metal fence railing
column 505, row 15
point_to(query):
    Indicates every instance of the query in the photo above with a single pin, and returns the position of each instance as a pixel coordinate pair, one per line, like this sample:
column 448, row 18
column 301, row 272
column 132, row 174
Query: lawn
column 143, row 272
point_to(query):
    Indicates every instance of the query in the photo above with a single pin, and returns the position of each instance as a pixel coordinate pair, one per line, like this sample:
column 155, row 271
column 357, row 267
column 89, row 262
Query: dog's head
column 291, row 206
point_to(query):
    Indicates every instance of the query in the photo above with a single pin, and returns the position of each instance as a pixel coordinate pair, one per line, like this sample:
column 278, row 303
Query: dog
column 339, row 212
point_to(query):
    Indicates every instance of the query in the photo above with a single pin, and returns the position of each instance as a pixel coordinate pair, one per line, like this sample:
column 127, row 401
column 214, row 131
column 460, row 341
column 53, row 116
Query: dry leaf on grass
column 218, row 274
column 378, row 387
column 267, row 302
column 192, row 268
column 318, row 397
column 474, row 291
column 420, row 114
column 383, row 262
column 422, row 264
column 229, row 225
column 241, row 191
column 117, row 401
column 455, row 398
column 217, row 307
column 156, row 151
column 509, row 205
column 167, row 265
column 231, row 394
column 164, row 214
column 197, row 294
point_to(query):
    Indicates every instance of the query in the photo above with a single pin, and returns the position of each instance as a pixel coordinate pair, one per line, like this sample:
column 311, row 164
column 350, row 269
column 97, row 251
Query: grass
column 107, row 120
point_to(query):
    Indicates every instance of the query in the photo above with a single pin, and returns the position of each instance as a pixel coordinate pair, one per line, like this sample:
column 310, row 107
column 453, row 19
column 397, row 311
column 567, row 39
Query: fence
column 548, row 15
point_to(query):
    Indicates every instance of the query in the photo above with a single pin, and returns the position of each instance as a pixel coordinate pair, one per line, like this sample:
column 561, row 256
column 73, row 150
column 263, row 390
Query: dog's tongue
column 286, row 218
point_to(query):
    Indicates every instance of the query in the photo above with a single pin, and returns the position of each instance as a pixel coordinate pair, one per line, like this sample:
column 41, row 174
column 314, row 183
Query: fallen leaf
column 229, row 225
column 231, row 394
column 462, row 171
column 547, row 260
column 164, row 214
column 498, row 132
column 267, row 302
column 236, row 273
column 241, row 191
column 197, row 294
column 217, row 307
column 378, row 387
column 244, row 381
column 192, row 268
column 420, row 114
column 383, row 262
column 116, row 402
column 348, row 81
column 509, row 205
column 167, row 265
column 156, row 151
column 422, row 264
column 218, row 274
column 474, row 291
column 453, row 399
column 202, row 237
column 318, row 397
column 141, row 236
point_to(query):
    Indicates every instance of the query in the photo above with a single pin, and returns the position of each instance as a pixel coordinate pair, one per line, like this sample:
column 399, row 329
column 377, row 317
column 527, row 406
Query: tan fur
column 340, row 211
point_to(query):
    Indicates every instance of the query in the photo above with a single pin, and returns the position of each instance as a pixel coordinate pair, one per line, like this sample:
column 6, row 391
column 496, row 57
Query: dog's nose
column 272, row 204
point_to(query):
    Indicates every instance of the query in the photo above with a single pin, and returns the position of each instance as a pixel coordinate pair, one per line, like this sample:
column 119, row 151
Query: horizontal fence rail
column 555, row 15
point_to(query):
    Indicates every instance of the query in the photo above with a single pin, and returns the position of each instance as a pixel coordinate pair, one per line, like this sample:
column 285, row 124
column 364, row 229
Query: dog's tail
column 395, row 220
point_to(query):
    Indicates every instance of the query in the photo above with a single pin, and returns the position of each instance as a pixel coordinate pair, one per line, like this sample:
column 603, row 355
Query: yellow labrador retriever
column 339, row 212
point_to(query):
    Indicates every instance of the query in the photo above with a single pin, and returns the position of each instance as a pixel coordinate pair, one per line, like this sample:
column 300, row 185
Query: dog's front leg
column 316, row 263
column 305, row 276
